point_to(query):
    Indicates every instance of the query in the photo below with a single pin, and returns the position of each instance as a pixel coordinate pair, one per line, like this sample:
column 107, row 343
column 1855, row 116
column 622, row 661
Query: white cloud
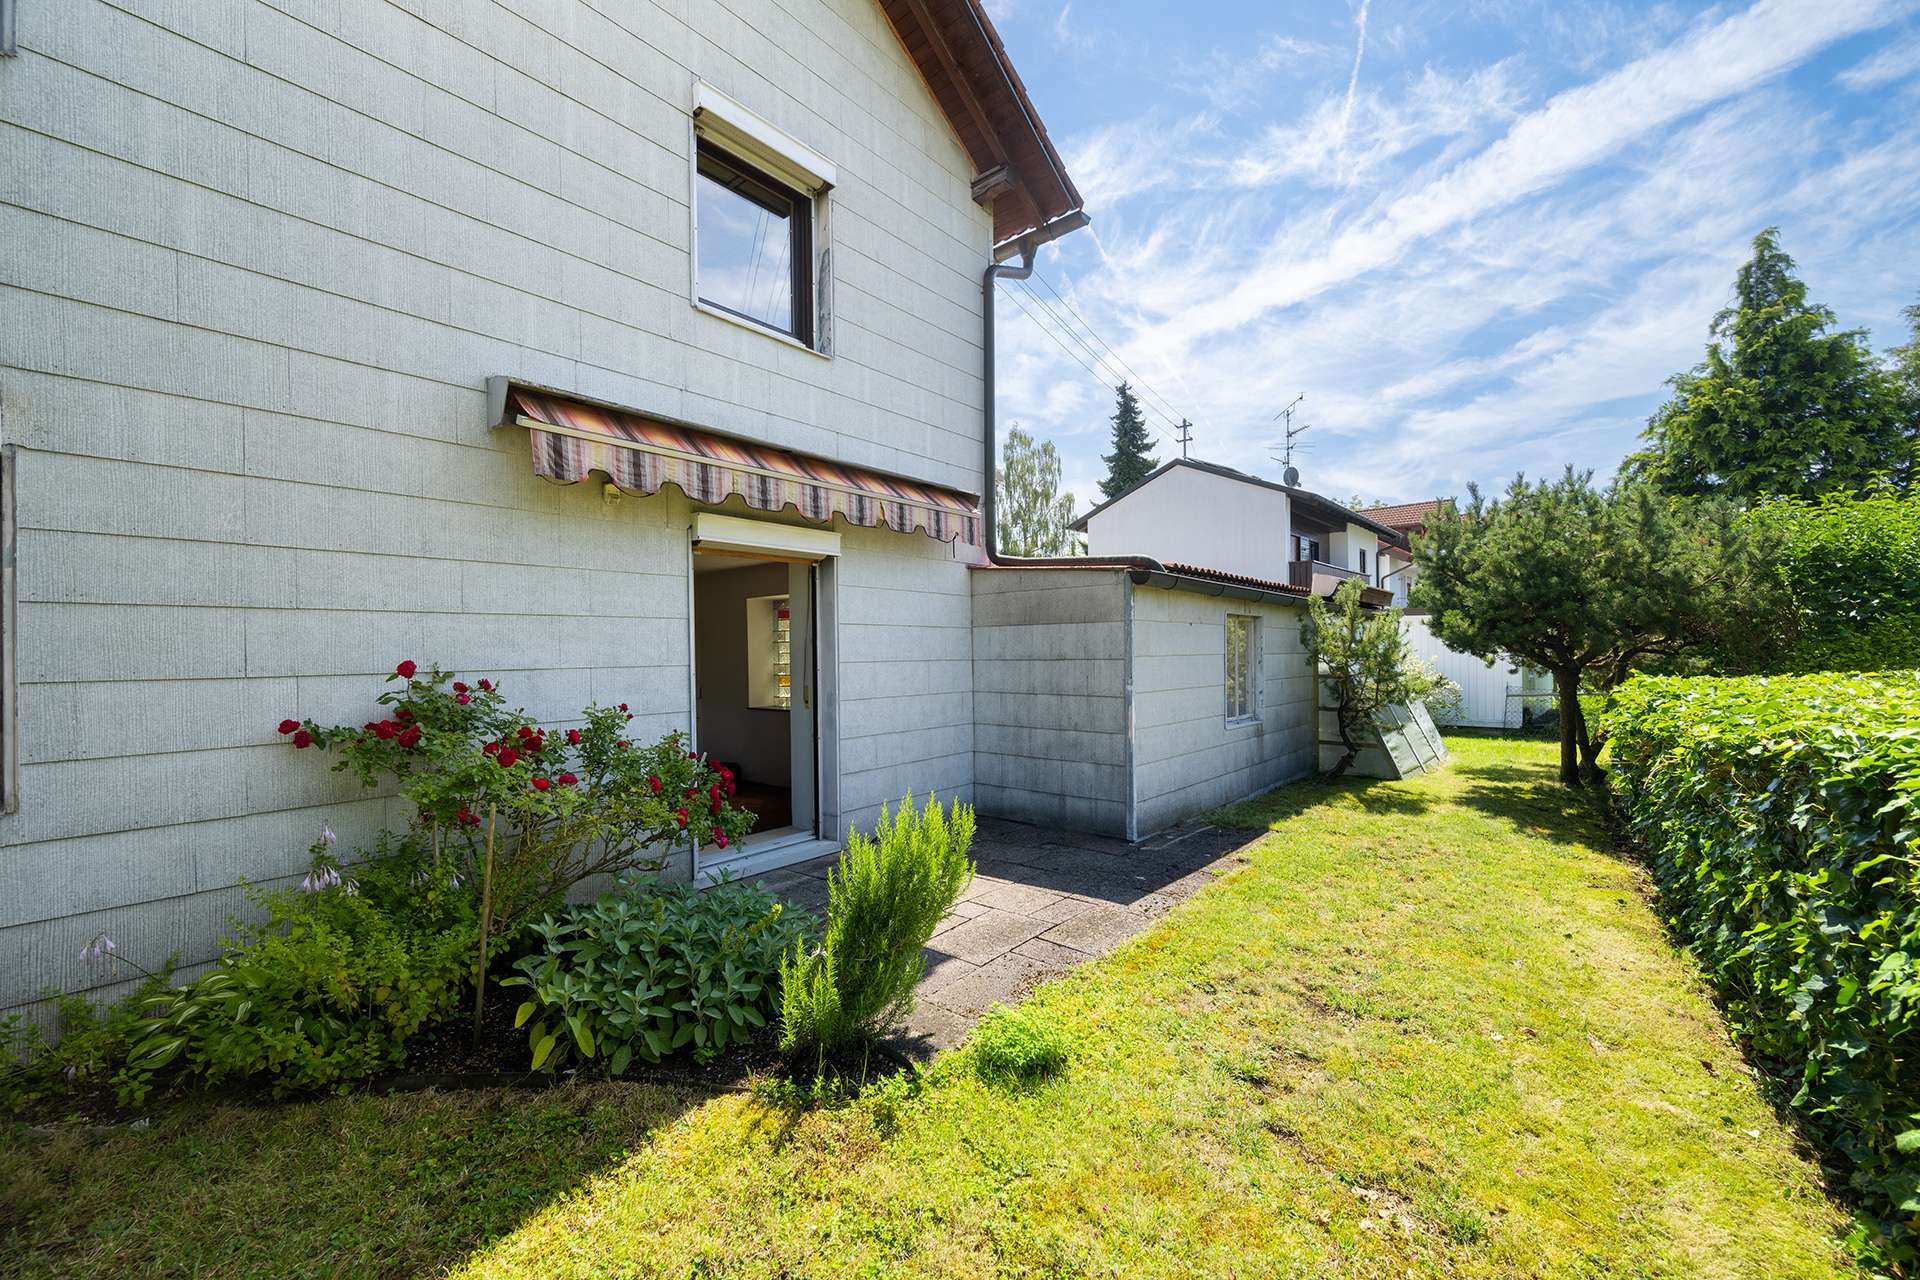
column 1573, row 131
column 1891, row 62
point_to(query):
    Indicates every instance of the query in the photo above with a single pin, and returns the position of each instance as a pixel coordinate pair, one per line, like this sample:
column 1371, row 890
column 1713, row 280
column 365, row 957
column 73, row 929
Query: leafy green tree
column 1131, row 460
column 1364, row 657
column 1904, row 366
column 1034, row 514
column 1782, row 405
column 1590, row 584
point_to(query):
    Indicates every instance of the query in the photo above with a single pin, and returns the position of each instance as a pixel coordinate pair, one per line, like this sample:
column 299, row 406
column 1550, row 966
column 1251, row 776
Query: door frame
column 824, row 674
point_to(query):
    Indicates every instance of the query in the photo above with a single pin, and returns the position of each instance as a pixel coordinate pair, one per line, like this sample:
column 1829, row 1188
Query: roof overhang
column 1017, row 172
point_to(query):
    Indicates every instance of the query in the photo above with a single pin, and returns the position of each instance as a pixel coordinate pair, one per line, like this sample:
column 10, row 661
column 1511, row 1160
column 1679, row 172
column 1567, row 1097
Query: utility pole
column 1185, row 437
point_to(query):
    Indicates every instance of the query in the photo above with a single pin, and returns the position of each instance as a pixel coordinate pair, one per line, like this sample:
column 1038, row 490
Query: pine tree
column 1130, row 462
column 1781, row 405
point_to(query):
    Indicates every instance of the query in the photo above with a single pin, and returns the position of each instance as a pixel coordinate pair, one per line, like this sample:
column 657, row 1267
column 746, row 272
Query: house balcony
column 1323, row 579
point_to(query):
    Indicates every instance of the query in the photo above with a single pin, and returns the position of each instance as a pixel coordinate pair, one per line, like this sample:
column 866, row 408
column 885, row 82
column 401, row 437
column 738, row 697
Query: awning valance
column 571, row 439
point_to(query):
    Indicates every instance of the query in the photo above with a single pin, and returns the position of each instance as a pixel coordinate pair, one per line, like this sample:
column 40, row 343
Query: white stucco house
column 1192, row 512
column 634, row 353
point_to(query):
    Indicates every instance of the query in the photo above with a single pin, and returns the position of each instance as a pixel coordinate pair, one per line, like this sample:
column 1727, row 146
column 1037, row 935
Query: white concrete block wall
column 257, row 259
column 1050, row 696
column 1187, row 758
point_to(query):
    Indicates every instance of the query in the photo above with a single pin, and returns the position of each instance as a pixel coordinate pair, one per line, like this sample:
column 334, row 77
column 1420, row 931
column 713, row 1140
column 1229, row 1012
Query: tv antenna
column 1290, row 474
column 1185, row 437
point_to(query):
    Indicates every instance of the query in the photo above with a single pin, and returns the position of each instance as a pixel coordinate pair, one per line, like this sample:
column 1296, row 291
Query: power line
column 1106, row 367
column 1068, row 351
column 1135, row 377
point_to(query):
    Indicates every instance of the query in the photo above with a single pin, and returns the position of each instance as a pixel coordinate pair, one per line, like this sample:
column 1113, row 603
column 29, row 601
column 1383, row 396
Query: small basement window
column 1243, row 668
column 755, row 237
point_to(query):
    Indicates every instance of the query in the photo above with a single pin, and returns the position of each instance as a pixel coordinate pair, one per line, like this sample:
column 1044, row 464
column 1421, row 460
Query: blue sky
column 1478, row 236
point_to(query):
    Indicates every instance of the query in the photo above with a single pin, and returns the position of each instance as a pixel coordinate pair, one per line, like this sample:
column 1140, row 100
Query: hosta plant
column 652, row 970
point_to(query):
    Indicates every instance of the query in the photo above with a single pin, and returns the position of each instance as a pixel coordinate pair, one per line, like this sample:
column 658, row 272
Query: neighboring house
column 1201, row 513
column 633, row 354
column 1493, row 695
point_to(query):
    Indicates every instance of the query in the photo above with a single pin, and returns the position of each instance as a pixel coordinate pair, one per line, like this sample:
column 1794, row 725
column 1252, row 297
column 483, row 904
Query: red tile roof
column 1407, row 515
column 1236, row 579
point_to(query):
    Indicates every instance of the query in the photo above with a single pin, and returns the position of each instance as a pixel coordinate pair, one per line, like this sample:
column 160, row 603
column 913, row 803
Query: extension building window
column 1243, row 668
column 755, row 244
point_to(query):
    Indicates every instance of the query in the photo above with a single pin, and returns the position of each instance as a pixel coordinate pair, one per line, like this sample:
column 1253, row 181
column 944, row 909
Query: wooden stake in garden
column 486, row 924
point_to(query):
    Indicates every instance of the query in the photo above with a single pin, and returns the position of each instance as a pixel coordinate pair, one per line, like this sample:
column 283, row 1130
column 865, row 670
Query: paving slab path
column 1042, row 900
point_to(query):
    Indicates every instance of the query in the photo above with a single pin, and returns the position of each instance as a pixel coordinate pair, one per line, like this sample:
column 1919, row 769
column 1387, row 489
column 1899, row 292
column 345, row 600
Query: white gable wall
column 1189, row 516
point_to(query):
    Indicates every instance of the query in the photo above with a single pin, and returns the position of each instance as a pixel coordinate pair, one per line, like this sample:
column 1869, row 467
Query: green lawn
column 1433, row 1028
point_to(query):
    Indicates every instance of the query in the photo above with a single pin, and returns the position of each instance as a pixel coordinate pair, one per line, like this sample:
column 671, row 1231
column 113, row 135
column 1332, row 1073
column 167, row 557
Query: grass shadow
column 1293, row 799
column 369, row 1184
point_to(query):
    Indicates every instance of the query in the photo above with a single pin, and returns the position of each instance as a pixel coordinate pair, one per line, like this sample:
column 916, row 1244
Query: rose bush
column 522, row 813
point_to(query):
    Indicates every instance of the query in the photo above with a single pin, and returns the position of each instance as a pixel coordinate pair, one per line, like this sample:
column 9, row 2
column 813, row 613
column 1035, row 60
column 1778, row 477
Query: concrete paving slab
column 1021, row 899
column 1097, row 931
column 987, row 936
column 1003, row 981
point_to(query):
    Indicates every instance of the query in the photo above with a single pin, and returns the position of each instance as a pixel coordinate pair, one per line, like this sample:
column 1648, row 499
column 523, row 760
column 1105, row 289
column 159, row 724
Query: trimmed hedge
column 1782, row 815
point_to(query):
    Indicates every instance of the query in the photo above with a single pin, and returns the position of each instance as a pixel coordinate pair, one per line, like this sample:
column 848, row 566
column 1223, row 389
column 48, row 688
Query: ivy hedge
column 1782, row 816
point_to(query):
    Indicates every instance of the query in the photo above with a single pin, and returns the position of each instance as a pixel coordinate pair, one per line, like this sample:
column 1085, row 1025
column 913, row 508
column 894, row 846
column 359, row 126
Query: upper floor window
column 1363, row 562
column 755, row 244
column 759, row 201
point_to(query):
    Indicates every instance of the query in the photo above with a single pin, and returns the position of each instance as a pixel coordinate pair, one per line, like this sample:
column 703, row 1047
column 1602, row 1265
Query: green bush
column 1850, row 568
column 326, row 990
column 92, row 1044
column 884, row 900
column 653, row 969
column 1017, row 1046
column 1782, row 815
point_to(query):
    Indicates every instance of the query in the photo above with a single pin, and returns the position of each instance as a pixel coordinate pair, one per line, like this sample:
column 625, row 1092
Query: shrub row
column 1850, row 569
column 1782, row 815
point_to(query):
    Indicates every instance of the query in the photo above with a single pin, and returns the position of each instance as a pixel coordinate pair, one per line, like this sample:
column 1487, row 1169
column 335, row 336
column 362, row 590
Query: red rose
column 573, row 737
column 681, row 814
column 385, row 730
column 524, row 732
column 568, row 779
column 406, row 669
column 541, row 784
column 487, row 685
column 623, row 706
column 629, row 717
column 624, row 744
column 720, row 839
column 654, row 783
column 732, row 787
column 462, row 699
column 404, row 713
column 726, row 774
column 714, row 808
column 507, row 757
column 491, row 749
column 288, row 726
column 411, row 738
column 459, row 686
column 303, row 739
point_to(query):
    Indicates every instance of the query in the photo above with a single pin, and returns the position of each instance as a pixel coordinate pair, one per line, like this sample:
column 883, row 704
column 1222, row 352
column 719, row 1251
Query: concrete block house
column 633, row 353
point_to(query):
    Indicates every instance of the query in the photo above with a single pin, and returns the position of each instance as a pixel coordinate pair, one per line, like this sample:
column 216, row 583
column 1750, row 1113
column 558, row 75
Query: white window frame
column 725, row 124
column 1241, row 689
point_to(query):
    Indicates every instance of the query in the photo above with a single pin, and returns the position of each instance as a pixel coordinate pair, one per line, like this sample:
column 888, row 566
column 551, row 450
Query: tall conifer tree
column 1131, row 460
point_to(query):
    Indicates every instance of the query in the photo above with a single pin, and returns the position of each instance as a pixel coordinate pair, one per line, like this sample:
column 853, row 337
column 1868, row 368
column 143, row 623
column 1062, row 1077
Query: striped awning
column 571, row 439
